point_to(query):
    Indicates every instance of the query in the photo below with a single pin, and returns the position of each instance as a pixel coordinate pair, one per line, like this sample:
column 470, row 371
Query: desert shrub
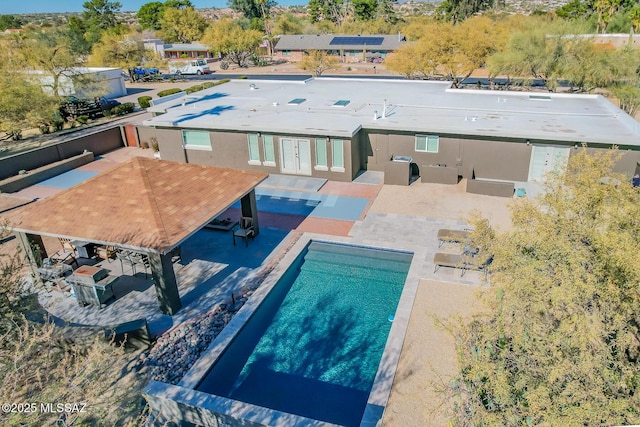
column 57, row 123
column 82, row 120
column 143, row 101
column 123, row 109
column 192, row 89
column 169, row 92
column 242, row 77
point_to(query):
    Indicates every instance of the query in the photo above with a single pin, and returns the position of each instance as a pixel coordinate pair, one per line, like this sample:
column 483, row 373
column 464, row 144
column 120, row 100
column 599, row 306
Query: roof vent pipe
column 252, row 86
column 384, row 109
column 375, row 115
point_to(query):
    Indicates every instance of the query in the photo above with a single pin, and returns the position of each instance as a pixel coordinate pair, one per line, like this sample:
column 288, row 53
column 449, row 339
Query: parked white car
column 197, row 66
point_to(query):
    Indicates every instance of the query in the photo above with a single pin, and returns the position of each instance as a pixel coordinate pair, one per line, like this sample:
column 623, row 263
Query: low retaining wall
column 18, row 182
column 98, row 142
column 490, row 188
column 438, row 174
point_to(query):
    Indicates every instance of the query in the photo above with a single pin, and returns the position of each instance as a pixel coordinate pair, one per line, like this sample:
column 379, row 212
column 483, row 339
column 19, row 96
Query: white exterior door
column 546, row 158
column 295, row 156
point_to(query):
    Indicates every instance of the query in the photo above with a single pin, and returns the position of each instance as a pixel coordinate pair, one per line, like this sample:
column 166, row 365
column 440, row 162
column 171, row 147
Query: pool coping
column 183, row 401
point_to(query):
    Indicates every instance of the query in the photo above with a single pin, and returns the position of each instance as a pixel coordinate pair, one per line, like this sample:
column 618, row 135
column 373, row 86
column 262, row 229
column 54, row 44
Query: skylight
column 296, row 101
column 341, row 103
column 540, row 97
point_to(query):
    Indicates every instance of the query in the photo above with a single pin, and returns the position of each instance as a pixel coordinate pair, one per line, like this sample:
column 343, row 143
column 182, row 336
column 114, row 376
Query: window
column 254, row 151
column 321, row 154
column 427, row 143
column 286, row 53
column 337, row 155
column 269, row 154
column 196, row 139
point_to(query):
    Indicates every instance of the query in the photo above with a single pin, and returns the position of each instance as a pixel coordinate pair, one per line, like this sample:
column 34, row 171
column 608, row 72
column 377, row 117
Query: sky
column 44, row 6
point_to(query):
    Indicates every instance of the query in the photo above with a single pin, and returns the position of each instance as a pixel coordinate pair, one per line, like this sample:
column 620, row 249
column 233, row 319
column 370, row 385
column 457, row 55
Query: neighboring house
column 87, row 82
column 348, row 48
column 178, row 50
column 187, row 50
column 333, row 128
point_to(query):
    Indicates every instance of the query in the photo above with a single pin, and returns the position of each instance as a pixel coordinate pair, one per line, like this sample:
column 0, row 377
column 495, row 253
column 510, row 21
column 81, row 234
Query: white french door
column 546, row 158
column 295, row 156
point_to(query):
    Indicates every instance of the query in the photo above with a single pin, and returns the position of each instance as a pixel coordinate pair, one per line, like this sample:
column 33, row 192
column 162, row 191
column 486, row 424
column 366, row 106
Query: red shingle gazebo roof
column 141, row 204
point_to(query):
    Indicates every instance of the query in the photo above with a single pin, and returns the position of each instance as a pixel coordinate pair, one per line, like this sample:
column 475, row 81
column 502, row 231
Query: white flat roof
column 411, row 106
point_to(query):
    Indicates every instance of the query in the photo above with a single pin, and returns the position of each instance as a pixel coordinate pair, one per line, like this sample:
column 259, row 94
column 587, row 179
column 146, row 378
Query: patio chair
column 125, row 259
column 65, row 257
column 245, row 231
column 463, row 262
column 66, row 244
column 453, row 236
column 140, row 259
column 106, row 252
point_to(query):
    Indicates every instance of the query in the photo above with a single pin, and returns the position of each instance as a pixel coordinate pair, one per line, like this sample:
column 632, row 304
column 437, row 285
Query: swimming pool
column 314, row 345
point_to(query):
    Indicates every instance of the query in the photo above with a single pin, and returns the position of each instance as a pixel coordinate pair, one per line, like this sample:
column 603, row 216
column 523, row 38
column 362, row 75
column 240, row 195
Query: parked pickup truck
column 74, row 107
column 197, row 66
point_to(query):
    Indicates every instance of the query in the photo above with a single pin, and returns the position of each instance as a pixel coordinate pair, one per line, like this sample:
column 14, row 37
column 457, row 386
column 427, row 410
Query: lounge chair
column 453, row 236
column 463, row 262
column 245, row 231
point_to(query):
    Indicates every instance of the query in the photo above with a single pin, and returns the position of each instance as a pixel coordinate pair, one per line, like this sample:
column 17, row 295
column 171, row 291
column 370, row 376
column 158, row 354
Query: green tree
column 559, row 343
column 47, row 52
column 387, row 12
column 149, row 15
column 118, row 50
column 182, row 25
column 178, row 4
column 454, row 54
column 252, row 8
column 327, row 10
column 99, row 15
column 287, row 24
column 317, row 61
column 234, row 43
column 76, row 31
column 9, row 21
column 551, row 51
column 634, row 17
column 364, row 10
column 459, row 10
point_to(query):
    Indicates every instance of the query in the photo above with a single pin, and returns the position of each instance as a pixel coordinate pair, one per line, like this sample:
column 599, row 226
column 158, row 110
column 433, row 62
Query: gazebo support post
column 249, row 209
column 164, row 279
column 34, row 251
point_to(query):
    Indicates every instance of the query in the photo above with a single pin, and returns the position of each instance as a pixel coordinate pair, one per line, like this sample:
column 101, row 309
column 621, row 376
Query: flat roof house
column 350, row 48
column 333, row 128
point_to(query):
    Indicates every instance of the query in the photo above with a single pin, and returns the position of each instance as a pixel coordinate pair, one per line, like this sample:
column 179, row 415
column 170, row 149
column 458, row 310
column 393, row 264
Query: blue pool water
column 314, row 345
column 309, row 204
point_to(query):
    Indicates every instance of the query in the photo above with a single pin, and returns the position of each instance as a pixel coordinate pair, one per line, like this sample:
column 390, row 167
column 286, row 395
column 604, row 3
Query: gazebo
column 144, row 205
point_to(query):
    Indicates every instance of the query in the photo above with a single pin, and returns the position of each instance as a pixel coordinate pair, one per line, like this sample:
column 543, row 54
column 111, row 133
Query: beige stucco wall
column 231, row 150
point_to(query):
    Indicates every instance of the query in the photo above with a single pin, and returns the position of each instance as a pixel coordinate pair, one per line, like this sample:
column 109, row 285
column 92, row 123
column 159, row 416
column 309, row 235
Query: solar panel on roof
column 369, row 41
